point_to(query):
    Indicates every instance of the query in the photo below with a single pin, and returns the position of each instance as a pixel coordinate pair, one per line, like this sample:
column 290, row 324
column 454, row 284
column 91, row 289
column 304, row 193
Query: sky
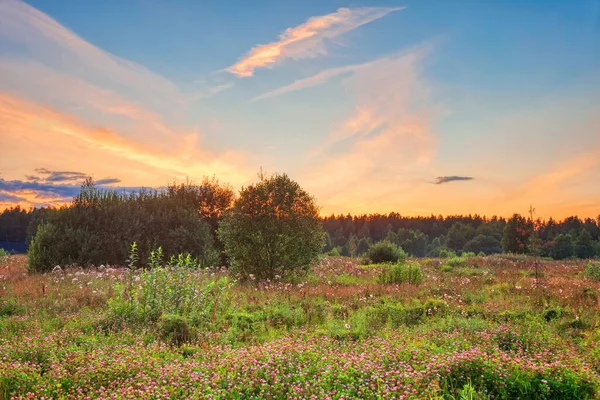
column 417, row 107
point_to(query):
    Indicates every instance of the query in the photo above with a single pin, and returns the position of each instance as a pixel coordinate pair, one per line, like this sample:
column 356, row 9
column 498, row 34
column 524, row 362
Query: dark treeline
column 435, row 235
column 102, row 224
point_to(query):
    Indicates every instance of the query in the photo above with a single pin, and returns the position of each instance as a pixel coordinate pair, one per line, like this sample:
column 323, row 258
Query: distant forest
column 431, row 236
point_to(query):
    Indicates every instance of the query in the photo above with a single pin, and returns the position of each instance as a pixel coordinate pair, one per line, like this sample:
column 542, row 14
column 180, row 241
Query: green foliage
column 175, row 329
column 99, row 225
column 335, row 252
column 4, row 253
column 517, row 232
column 592, row 270
column 177, row 290
column 459, row 235
column 9, row 307
column 483, row 244
column 385, row 251
column 402, row 272
column 561, row 247
column 584, row 245
column 445, row 253
column 273, row 229
column 363, row 246
column 455, row 261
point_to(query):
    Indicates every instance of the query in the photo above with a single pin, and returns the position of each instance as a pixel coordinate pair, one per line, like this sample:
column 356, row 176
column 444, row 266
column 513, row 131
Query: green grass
column 344, row 330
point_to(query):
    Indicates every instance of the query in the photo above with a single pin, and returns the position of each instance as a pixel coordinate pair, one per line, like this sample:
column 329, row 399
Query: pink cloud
column 308, row 39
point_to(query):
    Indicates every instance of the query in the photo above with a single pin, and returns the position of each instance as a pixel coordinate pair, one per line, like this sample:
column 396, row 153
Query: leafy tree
column 485, row 244
column 272, row 229
column 562, row 247
column 458, row 235
column 516, row 234
column 328, row 243
column 363, row 246
column 584, row 244
column 352, row 246
column 385, row 251
column 99, row 225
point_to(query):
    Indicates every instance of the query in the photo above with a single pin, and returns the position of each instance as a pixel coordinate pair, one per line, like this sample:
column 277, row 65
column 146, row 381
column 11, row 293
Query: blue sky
column 364, row 103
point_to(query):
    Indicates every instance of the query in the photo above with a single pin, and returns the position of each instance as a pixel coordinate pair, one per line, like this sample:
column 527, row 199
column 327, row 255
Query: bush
column 177, row 290
column 384, row 252
column 273, row 229
column 174, row 329
column 400, row 273
column 592, row 270
column 445, row 253
column 98, row 227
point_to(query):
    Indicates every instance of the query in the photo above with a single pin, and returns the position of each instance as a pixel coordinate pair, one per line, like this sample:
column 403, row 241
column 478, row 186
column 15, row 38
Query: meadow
column 455, row 328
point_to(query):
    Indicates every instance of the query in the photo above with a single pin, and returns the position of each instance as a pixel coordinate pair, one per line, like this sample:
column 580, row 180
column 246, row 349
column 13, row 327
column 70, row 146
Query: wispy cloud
column 61, row 49
column 376, row 154
column 308, row 39
column 59, row 176
column 68, row 104
column 453, row 178
column 51, row 188
column 210, row 92
column 9, row 198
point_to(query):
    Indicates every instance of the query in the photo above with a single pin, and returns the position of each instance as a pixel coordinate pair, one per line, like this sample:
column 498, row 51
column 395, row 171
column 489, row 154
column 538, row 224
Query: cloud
column 308, row 39
column 415, row 54
column 210, row 92
column 377, row 154
column 51, row 189
column 49, row 136
column 9, row 198
column 445, row 179
column 59, row 176
column 48, row 189
column 55, row 46
column 68, row 104
column 108, row 181
column 314, row 80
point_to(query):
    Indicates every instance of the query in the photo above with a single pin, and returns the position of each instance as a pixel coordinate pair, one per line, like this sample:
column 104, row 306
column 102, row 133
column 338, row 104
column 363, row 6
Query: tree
column 352, row 246
column 562, row 247
column 584, row 244
column 458, row 235
column 211, row 198
column 99, row 226
column 362, row 247
column 516, row 234
column 272, row 229
column 483, row 243
column 383, row 252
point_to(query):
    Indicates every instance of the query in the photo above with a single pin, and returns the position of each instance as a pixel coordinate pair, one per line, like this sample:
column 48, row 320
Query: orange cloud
column 381, row 149
column 308, row 39
column 66, row 141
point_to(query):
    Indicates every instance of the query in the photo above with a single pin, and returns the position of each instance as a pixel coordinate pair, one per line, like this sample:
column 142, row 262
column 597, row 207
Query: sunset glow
column 398, row 106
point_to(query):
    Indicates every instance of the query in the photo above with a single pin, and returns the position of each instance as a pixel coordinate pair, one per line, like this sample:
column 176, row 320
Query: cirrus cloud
column 309, row 39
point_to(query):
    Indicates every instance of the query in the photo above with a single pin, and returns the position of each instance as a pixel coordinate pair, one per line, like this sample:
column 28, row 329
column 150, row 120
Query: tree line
column 99, row 225
column 434, row 235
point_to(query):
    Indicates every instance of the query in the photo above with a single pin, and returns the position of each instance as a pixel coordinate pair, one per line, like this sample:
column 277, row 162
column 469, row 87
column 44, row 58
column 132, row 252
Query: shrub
column 273, row 229
column 385, row 251
column 174, row 329
column 99, row 225
column 445, row 253
column 400, row 273
column 455, row 261
column 174, row 291
column 592, row 270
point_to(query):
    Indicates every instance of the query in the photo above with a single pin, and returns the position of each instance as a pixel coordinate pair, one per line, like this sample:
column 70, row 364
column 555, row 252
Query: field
column 461, row 328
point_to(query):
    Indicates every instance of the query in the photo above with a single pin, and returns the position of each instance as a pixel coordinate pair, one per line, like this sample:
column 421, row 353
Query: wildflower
column 347, row 326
